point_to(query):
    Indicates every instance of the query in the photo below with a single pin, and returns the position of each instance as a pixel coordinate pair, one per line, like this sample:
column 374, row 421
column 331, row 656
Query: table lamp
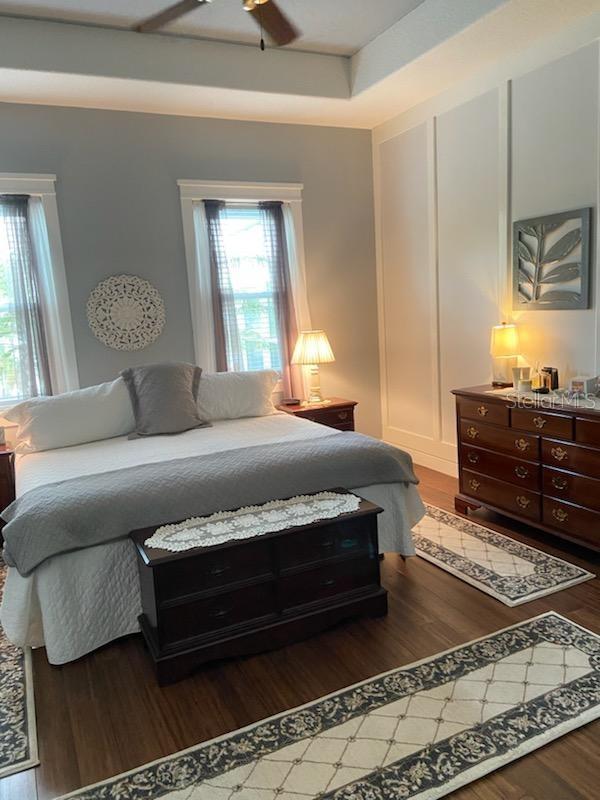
column 312, row 349
column 504, row 349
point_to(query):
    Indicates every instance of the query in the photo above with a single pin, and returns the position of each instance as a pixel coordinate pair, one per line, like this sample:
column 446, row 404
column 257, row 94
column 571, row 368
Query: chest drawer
column 573, row 488
column 572, row 520
column 503, row 495
column 201, row 617
column 313, row 585
column 336, row 539
column 505, row 468
column 559, row 425
column 587, row 431
column 495, row 413
column 572, row 457
column 511, row 442
column 214, row 569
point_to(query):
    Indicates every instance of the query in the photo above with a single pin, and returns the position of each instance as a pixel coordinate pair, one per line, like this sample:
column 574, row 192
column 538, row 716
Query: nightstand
column 336, row 413
column 7, row 477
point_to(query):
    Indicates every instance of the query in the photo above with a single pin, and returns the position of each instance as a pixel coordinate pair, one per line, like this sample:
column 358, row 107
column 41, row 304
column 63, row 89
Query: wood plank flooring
column 105, row 714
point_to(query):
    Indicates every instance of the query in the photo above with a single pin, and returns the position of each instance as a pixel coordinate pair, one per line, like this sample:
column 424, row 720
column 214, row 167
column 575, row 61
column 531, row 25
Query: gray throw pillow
column 164, row 397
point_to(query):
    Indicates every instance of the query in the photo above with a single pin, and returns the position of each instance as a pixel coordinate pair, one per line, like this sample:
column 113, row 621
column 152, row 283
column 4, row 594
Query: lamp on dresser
column 312, row 349
column 504, row 349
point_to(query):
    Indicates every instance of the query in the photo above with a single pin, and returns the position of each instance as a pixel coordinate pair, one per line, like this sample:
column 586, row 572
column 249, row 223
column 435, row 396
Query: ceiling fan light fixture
column 249, row 5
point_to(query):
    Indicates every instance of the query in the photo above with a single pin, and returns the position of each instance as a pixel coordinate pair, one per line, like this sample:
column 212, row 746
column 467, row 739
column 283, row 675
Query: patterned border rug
column 508, row 570
column 416, row 733
column 18, row 738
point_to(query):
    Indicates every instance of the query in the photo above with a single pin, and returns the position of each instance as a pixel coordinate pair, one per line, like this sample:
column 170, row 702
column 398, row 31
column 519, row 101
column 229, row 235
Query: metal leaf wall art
column 551, row 261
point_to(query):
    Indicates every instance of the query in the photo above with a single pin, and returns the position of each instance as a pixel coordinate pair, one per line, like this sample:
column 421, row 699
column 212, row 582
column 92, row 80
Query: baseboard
column 430, row 460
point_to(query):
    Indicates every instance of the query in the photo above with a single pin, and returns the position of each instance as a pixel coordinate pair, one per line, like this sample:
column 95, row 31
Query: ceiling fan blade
column 274, row 22
column 168, row 15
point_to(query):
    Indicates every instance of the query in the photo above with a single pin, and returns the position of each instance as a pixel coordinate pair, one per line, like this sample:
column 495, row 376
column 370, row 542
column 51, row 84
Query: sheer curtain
column 237, row 296
column 29, row 351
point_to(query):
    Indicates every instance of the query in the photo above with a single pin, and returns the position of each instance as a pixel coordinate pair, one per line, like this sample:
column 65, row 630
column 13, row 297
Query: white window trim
column 61, row 345
column 196, row 251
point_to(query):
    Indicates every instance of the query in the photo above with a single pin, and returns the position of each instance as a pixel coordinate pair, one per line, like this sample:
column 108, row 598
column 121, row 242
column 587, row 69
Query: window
column 244, row 250
column 37, row 353
column 252, row 307
column 24, row 367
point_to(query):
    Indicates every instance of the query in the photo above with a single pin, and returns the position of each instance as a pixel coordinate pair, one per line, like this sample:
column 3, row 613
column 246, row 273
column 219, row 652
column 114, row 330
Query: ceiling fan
column 266, row 13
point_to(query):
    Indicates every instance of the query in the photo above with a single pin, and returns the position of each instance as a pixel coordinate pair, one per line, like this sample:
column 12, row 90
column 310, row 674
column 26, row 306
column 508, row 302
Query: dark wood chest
column 256, row 594
column 532, row 461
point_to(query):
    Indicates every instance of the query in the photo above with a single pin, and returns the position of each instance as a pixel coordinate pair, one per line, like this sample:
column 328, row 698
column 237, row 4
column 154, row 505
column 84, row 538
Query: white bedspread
column 76, row 602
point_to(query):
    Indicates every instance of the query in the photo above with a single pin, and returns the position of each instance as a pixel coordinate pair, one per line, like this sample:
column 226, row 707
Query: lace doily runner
column 251, row 521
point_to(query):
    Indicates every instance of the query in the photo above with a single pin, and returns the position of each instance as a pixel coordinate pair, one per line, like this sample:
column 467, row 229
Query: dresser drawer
column 559, row 425
column 573, row 488
column 336, row 539
column 505, row 468
column 214, row 569
column 201, row 617
column 573, row 521
column 587, row 431
column 512, row 442
column 495, row 413
column 313, row 585
column 522, row 502
column 572, row 457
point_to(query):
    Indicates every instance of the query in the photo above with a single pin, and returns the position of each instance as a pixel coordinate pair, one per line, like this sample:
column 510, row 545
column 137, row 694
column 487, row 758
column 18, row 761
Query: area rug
column 508, row 570
column 416, row 733
column 18, row 740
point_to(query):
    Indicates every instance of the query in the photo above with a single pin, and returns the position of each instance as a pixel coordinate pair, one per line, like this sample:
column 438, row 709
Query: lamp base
column 314, row 392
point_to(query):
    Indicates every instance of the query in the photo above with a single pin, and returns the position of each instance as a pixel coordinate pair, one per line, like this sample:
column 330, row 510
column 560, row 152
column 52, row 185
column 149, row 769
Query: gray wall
column 119, row 209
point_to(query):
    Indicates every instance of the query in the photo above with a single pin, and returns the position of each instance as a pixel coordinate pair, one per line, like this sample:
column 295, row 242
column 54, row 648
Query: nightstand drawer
column 311, row 586
column 514, row 499
column 514, row 443
column 333, row 417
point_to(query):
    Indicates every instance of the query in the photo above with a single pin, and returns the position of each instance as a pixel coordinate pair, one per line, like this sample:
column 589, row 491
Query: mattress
column 76, row 602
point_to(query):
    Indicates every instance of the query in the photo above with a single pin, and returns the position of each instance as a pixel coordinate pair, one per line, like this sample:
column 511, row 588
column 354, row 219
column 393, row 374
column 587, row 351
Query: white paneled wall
column 449, row 181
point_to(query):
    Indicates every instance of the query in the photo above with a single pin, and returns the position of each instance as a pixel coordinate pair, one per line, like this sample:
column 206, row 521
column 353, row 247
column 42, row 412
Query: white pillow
column 232, row 395
column 86, row 415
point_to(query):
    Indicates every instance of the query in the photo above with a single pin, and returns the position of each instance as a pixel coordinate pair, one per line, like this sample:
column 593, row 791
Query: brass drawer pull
column 521, row 471
column 522, row 444
column 559, row 454
column 483, row 411
column 522, row 501
column 342, row 415
column 539, row 422
column 559, row 483
column 472, row 432
column 327, row 544
column 560, row 515
column 474, row 484
column 328, row 582
column 473, row 458
column 216, row 571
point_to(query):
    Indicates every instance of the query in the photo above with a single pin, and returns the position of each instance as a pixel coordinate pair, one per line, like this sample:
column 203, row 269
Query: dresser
column 335, row 412
column 256, row 594
column 535, row 463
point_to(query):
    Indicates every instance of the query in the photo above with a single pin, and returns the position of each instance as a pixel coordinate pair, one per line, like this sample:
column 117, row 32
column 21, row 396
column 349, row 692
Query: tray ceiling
column 339, row 27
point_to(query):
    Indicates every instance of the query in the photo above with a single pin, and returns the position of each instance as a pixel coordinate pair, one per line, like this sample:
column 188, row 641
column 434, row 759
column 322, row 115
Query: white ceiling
column 339, row 27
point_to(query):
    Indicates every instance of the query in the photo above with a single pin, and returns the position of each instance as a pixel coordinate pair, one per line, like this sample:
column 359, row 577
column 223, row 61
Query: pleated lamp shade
column 312, row 347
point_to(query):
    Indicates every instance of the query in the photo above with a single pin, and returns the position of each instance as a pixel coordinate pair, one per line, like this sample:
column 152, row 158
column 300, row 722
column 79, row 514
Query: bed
column 75, row 602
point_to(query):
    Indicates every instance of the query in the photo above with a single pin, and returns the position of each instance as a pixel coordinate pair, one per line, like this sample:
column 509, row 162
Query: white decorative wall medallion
column 125, row 312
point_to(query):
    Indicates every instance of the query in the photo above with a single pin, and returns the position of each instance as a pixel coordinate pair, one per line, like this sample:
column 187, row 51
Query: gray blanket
column 93, row 509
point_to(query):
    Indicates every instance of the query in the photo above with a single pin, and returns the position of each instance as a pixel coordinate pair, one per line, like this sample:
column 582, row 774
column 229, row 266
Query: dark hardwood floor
column 105, row 714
